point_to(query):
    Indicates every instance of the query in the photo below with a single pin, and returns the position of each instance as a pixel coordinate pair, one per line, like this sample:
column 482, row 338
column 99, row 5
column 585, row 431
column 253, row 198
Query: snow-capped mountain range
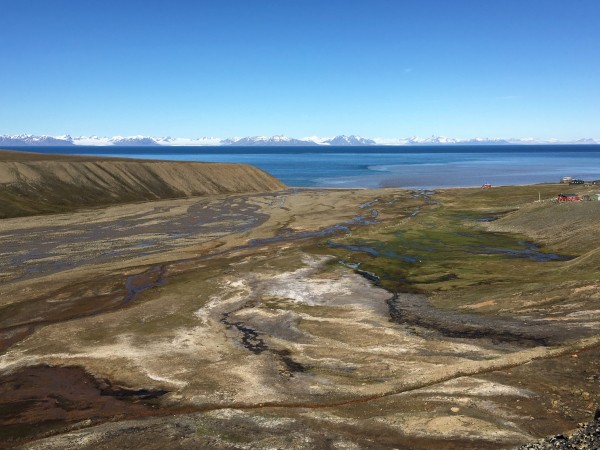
column 279, row 140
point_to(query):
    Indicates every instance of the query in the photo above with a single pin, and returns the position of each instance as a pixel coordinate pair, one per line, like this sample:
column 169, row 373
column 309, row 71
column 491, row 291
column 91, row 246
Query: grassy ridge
column 37, row 184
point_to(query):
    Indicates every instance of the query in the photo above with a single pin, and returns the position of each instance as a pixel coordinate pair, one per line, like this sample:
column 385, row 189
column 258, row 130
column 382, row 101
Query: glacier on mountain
column 29, row 140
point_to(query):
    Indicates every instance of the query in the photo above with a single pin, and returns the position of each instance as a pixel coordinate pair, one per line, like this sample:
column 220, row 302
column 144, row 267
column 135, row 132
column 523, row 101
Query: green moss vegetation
column 446, row 251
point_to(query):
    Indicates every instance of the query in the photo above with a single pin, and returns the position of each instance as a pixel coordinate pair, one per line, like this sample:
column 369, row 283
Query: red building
column 568, row 198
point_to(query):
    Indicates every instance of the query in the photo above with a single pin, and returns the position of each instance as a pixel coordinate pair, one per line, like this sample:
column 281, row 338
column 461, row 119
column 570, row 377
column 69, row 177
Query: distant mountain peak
column 276, row 140
column 133, row 141
column 30, row 140
column 350, row 140
column 36, row 141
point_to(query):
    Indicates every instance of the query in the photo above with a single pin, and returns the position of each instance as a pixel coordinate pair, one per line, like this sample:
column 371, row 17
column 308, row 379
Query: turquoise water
column 418, row 166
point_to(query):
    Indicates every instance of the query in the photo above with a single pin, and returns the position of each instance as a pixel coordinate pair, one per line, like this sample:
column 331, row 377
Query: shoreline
column 372, row 170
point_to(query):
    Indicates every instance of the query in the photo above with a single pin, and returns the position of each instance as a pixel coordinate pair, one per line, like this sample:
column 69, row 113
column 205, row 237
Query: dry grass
column 38, row 184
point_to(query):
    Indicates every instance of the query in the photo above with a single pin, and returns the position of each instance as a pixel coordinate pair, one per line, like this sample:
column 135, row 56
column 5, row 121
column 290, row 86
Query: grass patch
column 445, row 251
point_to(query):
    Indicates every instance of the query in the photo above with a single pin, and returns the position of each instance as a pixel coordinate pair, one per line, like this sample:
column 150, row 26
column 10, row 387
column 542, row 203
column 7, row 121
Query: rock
column 586, row 437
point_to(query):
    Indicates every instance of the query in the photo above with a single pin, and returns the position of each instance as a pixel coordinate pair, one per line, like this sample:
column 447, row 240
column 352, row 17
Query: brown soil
column 38, row 400
column 34, row 184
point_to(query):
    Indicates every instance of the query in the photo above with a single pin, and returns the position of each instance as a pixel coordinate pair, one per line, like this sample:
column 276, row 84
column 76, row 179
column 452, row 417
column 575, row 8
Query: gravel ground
column 587, row 437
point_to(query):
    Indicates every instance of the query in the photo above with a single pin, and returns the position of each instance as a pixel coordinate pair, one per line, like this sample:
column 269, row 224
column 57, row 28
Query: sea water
column 376, row 166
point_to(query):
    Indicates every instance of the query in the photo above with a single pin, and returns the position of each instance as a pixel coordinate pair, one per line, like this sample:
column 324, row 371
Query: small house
column 566, row 180
column 576, row 182
column 568, row 198
column 486, row 186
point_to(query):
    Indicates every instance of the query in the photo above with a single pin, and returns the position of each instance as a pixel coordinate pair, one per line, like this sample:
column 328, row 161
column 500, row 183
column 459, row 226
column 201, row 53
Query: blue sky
column 378, row 68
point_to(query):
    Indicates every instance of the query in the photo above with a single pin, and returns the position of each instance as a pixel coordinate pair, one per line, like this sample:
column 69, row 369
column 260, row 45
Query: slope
column 34, row 184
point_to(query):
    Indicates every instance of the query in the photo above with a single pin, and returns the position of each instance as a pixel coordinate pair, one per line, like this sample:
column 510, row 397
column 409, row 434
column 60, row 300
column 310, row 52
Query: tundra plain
column 447, row 319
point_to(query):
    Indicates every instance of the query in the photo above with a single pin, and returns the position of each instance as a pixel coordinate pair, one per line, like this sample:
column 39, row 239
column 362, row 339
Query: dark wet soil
column 415, row 310
column 482, row 218
column 254, row 342
column 136, row 284
column 250, row 338
column 528, row 250
column 40, row 400
column 290, row 365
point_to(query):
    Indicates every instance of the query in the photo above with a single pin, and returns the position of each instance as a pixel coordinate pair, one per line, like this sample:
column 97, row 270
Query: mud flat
column 300, row 319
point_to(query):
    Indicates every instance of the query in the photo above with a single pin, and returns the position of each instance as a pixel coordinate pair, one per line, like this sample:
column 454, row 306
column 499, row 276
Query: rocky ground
column 586, row 437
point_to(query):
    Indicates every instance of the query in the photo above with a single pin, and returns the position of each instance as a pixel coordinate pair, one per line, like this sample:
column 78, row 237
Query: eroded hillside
column 34, row 183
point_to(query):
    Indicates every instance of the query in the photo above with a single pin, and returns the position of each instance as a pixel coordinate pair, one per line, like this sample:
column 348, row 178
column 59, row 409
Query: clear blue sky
column 378, row 68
